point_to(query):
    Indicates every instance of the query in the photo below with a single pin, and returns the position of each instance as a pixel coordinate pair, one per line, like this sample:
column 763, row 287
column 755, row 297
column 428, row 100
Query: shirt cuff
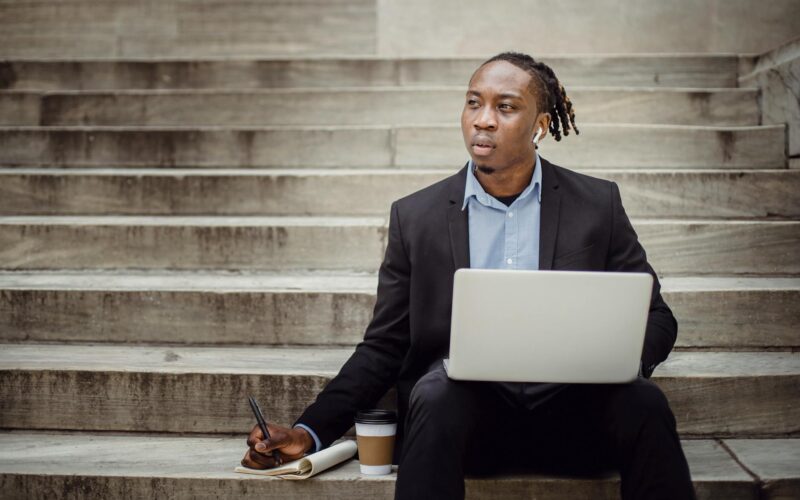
column 317, row 442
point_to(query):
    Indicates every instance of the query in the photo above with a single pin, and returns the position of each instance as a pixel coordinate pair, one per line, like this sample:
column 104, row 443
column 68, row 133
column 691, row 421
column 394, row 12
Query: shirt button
column 511, row 214
column 510, row 261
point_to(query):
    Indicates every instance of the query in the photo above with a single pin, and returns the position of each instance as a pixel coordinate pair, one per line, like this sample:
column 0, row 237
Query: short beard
column 484, row 169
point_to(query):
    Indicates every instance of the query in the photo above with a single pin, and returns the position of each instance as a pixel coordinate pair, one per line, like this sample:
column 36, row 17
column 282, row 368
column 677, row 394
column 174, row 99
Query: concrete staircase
column 178, row 234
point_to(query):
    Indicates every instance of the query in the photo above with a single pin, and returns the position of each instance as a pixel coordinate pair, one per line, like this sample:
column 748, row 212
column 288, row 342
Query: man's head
column 511, row 97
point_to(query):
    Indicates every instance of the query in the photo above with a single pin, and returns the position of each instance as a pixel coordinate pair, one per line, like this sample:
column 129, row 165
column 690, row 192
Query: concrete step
column 34, row 464
column 192, row 242
column 776, row 464
column 358, row 106
column 204, row 389
column 674, row 246
column 638, row 146
column 186, row 308
column 679, row 70
column 166, row 28
column 645, row 193
column 741, row 312
column 597, row 146
column 326, row 309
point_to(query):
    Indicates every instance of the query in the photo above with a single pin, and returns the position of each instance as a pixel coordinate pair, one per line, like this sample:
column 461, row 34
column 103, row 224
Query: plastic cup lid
column 376, row 416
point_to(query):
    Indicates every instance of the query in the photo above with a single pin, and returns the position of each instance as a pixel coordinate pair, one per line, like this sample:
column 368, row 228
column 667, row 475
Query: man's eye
column 472, row 102
column 506, row 107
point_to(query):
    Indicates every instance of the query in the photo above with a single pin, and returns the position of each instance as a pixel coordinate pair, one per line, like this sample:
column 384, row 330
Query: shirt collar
column 474, row 189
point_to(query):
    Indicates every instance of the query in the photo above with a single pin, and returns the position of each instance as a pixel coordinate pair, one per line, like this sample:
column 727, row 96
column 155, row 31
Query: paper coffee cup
column 375, row 432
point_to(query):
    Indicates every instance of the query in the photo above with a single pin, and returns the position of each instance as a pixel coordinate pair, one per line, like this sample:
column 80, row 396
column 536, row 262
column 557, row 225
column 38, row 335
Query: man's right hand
column 291, row 443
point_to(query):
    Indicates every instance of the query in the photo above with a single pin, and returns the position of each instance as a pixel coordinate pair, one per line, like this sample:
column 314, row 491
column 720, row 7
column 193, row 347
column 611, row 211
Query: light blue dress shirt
column 500, row 236
column 317, row 442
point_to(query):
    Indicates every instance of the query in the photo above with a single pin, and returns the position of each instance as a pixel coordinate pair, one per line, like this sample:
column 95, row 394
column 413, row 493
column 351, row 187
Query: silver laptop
column 548, row 326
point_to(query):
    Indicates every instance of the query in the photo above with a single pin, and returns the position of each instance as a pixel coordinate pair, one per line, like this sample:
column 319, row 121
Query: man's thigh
column 489, row 423
column 446, row 402
column 581, row 429
column 575, row 430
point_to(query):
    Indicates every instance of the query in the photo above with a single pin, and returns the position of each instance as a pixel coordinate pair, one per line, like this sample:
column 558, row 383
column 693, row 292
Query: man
column 508, row 208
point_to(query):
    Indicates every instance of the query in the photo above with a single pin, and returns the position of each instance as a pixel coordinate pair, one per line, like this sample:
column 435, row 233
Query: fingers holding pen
column 267, row 449
column 256, row 460
column 260, row 455
column 278, row 438
column 255, row 436
column 290, row 444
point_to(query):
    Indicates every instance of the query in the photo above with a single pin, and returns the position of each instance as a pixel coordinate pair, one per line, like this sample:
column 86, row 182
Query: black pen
column 263, row 425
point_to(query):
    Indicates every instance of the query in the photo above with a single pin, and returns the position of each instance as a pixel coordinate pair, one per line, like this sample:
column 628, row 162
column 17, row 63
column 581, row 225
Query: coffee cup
column 375, row 432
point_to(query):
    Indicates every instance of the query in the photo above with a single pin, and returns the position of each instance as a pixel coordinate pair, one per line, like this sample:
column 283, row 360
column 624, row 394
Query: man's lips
column 482, row 145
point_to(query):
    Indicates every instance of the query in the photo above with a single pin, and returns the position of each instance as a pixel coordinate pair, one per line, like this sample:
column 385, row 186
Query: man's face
column 500, row 117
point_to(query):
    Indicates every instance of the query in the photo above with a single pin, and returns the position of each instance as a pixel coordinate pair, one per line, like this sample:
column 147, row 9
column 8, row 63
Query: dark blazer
column 583, row 227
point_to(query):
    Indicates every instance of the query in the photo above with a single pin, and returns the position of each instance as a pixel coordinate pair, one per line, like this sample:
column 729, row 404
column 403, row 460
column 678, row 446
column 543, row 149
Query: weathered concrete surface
column 143, row 388
column 467, row 27
column 645, row 193
column 91, row 28
column 20, row 108
column 777, row 74
column 316, row 282
column 743, row 393
column 597, row 146
column 665, row 70
column 680, row 248
column 169, row 28
column 627, row 146
column 325, row 309
column 201, row 147
column 697, row 248
column 735, row 312
column 674, row 247
column 187, row 309
column 775, row 463
column 360, row 106
column 193, row 243
column 42, row 464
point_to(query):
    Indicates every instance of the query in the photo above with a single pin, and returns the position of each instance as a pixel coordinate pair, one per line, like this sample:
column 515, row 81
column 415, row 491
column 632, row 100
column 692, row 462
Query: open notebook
column 310, row 465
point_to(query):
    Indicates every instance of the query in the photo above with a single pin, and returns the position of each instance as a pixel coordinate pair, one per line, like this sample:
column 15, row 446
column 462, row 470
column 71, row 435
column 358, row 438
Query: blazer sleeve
column 374, row 366
column 627, row 254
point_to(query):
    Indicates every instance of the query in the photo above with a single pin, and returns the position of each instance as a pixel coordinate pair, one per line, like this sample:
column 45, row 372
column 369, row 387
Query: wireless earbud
column 536, row 137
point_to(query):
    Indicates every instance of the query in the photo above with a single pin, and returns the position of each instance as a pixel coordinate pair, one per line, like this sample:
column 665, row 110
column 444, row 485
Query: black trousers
column 455, row 428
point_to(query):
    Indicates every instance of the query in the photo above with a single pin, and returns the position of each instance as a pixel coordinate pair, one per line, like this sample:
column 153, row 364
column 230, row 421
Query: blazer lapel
column 551, row 201
column 458, row 221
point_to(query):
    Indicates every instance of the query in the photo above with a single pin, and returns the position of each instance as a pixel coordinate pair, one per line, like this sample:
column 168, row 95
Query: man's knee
column 432, row 392
column 638, row 405
column 648, row 398
column 443, row 410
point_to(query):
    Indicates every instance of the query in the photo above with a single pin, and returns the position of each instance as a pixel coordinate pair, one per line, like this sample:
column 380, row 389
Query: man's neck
column 506, row 182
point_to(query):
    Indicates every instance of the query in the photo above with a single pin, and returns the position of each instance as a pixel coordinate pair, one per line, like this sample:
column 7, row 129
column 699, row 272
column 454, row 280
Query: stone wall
column 184, row 28
column 390, row 28
column 477, row 27
column 777, row 74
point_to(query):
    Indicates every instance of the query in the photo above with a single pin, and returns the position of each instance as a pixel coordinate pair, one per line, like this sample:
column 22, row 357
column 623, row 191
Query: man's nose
column 485, row 119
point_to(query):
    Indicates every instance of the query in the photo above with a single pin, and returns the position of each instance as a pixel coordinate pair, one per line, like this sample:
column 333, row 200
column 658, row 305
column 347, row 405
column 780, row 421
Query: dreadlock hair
column 551, row 95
